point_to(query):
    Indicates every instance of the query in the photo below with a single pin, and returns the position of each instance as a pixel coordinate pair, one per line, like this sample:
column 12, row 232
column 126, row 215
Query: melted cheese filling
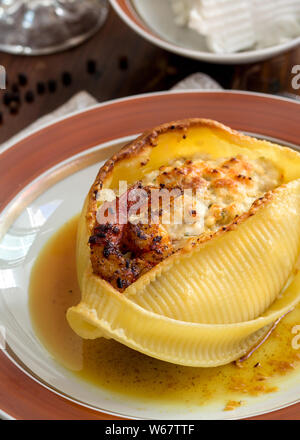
column 225, row 188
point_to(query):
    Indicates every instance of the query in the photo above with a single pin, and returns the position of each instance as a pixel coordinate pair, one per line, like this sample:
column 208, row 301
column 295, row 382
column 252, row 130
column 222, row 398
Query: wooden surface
column 121, row 64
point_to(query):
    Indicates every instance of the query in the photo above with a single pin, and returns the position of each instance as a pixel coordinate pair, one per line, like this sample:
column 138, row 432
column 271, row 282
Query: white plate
column 52, row 197
column 18, row 251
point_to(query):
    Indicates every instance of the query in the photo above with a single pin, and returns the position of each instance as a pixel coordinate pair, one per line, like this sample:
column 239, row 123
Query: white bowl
column 154, row 21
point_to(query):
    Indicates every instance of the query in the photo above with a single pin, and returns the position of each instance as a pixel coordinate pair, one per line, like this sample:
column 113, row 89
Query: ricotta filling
column 209, row 193
column 219, row 190
column 140, row 225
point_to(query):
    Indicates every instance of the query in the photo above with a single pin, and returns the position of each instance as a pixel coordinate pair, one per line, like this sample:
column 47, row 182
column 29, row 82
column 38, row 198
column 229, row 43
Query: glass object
column 33, row 27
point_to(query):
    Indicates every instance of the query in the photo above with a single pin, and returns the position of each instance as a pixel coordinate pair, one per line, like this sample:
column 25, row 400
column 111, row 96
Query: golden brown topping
column 121, row 253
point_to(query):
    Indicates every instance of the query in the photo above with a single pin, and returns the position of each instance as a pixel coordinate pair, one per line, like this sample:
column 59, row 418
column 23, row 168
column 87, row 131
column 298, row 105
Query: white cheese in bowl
column 234, row 25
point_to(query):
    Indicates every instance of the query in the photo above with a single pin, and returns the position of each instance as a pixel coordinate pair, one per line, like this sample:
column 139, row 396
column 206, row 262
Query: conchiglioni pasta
column 200, row 299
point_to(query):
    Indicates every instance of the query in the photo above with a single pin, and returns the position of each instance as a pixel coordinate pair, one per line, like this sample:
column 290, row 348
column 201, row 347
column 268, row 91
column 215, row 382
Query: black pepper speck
column 52, row 86
column 22, row 78
column 123, row 62
column 40, row 88
column 120, row 283
column 91, row 66
column 29, row 96
column 7, row 98
column 66, row 79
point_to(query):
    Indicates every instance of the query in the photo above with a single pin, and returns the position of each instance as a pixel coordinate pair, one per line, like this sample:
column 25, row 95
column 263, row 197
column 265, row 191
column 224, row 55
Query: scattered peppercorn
column 7, row 98
column 141, row 235
column 101, row 235
column 29, row 96
column 66, row 79
column 52, row 85
column 91, row 66
column 120, row 283
column 22, row 79
column 93, row 239
column 40, row 88
column 106, row 252
column 123, row 62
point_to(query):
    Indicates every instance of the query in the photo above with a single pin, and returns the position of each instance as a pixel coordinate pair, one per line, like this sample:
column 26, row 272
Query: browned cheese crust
column 120, row 254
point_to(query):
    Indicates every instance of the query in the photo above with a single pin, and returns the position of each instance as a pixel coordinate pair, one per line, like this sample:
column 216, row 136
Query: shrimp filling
column 202, row 195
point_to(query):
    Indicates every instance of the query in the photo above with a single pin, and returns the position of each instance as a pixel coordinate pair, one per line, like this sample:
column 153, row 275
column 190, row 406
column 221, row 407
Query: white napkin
column 83, row 100
column 79, row 101
column 197, row 81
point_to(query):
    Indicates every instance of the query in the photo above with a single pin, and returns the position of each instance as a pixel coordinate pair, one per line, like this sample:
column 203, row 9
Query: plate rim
column 142, row 29
column 129, row 99
column 19, row 137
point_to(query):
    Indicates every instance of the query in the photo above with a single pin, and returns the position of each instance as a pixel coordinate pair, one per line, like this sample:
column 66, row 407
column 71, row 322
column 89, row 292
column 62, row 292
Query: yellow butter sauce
column 110, row 365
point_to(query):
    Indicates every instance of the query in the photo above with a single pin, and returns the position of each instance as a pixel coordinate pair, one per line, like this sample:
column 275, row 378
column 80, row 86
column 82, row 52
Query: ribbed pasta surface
column 234, row 277
column 208, row 305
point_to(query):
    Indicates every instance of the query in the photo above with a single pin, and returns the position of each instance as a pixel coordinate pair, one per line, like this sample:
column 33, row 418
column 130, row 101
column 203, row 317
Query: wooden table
column 115, row 63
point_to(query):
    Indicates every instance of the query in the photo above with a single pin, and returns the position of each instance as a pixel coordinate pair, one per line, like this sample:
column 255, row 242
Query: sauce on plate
column 113, row 366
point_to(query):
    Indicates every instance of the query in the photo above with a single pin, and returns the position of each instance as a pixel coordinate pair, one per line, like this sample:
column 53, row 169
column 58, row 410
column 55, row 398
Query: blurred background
column 87, row 46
